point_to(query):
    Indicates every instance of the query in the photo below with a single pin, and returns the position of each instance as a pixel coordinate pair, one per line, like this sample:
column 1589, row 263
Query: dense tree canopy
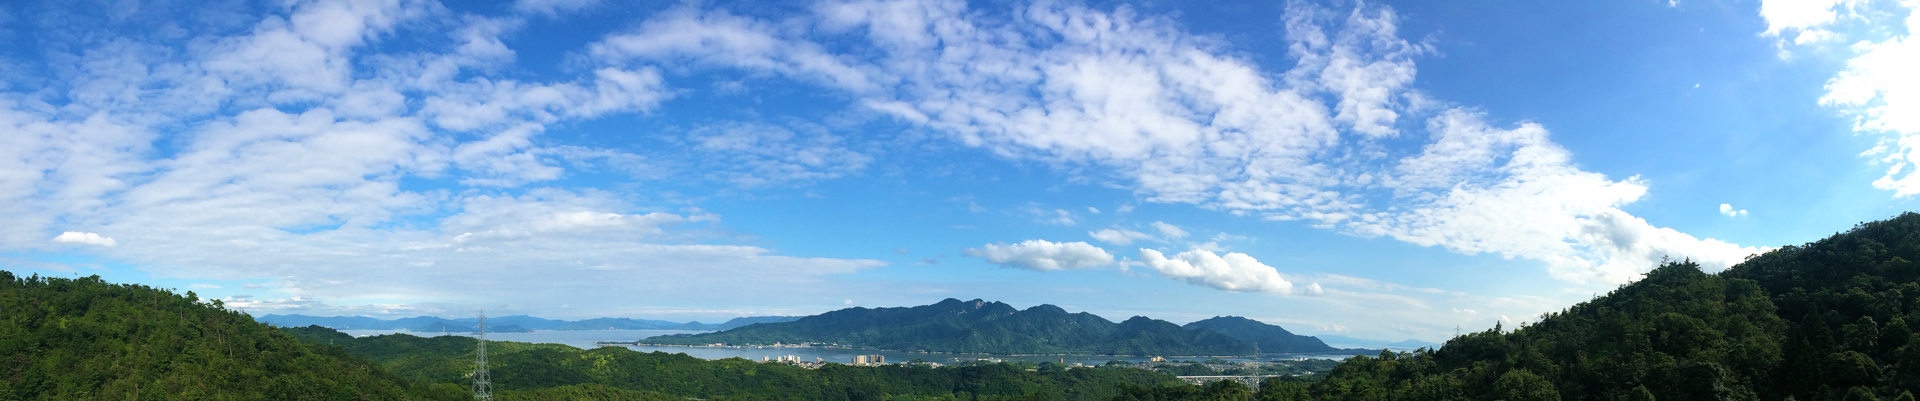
column 1823, row 321
column 67, row 339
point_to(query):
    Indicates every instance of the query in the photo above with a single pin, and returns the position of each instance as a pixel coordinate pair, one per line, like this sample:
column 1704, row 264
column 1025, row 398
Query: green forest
column 1828, row 320
column 75, row 339
column 1823, row 321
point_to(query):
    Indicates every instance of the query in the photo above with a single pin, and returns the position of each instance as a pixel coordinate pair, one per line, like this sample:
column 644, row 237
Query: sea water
column 586, row 339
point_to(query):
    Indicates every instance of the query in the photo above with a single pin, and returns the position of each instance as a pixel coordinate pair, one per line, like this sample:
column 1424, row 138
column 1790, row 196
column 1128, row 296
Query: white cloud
column 1169, row 230
column 1511, row 191
column 288, row 139
column 1727, row 209
column 1042, row 255
column 1880, row 87
column 76, row 237
column 203, row 286
column 1230, row 272
column 1787, row 15
column 1182, row 120
column 1118, row 236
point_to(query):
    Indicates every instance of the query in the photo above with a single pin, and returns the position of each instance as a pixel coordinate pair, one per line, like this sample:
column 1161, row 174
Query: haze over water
column 586, row 339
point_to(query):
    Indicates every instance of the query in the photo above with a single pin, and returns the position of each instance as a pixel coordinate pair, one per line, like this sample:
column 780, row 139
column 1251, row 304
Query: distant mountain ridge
column 506, row 324
column 980, row 326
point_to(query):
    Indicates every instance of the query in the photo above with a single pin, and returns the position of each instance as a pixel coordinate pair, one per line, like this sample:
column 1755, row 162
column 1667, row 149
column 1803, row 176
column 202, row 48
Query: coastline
column 1338, row 352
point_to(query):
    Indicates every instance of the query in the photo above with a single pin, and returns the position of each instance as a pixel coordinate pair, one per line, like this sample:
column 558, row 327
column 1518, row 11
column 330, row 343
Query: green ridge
column 80, row 339
column 1828, row 320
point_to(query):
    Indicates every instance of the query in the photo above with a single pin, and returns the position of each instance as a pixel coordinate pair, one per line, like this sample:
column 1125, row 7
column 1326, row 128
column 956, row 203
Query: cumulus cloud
column 1182, row 120
column 76, row 237
column 1727, row 209
column 1042, row 255
column 1118, row 236
column 1479, row 188
column 1231, row 272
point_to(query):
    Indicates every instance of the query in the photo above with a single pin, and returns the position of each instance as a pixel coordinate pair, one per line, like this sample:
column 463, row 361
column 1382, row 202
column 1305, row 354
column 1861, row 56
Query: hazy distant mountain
column 1361, row 342
column 502, row 323
column 979, row 326
column 1269, row 338
column 443, row 327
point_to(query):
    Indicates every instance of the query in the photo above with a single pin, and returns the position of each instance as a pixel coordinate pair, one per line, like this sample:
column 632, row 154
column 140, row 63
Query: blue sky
column 1381, row 170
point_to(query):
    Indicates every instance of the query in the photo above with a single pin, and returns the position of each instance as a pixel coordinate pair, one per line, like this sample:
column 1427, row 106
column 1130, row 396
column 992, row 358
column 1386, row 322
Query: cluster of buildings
column 816, row 363
column 789, row 359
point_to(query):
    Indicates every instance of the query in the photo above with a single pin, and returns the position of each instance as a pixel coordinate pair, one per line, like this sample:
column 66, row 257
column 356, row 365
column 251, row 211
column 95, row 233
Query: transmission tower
column 482, row 387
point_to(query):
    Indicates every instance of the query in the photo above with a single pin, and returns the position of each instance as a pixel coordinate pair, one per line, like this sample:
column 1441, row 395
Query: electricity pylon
column 482, row 387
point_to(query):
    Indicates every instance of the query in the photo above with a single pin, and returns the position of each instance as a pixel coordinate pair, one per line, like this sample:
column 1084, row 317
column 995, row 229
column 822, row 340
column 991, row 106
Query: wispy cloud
column 288, row 136
column 1118, row 236
column 1185, row 121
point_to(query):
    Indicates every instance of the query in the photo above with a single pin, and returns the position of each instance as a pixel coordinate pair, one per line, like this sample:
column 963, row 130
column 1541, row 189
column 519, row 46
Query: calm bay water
column 585, row 339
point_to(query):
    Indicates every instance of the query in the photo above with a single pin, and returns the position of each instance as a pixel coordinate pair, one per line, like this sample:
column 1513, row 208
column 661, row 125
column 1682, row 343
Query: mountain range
column 506, row 324
column 980, row 326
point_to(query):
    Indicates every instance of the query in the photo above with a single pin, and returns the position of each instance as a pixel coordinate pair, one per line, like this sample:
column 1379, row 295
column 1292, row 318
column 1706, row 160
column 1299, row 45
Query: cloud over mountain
column 1231, row 272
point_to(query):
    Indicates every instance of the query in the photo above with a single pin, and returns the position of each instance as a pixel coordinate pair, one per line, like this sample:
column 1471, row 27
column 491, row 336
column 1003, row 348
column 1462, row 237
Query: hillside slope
column 1824, row 321
column 65, row 339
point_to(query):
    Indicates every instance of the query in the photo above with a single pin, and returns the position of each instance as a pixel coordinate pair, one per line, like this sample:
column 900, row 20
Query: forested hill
column 71, row 339
column 1829, row 320
column 523, row 371
column 979, row 326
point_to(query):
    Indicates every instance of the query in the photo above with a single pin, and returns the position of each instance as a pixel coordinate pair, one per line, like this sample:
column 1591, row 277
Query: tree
column 1522, row 385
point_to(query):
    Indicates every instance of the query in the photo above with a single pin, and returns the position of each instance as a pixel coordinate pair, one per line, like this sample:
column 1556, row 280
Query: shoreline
column 1356, row 351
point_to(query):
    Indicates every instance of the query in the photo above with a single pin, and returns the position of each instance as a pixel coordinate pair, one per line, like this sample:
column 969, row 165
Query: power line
column 482, row 386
